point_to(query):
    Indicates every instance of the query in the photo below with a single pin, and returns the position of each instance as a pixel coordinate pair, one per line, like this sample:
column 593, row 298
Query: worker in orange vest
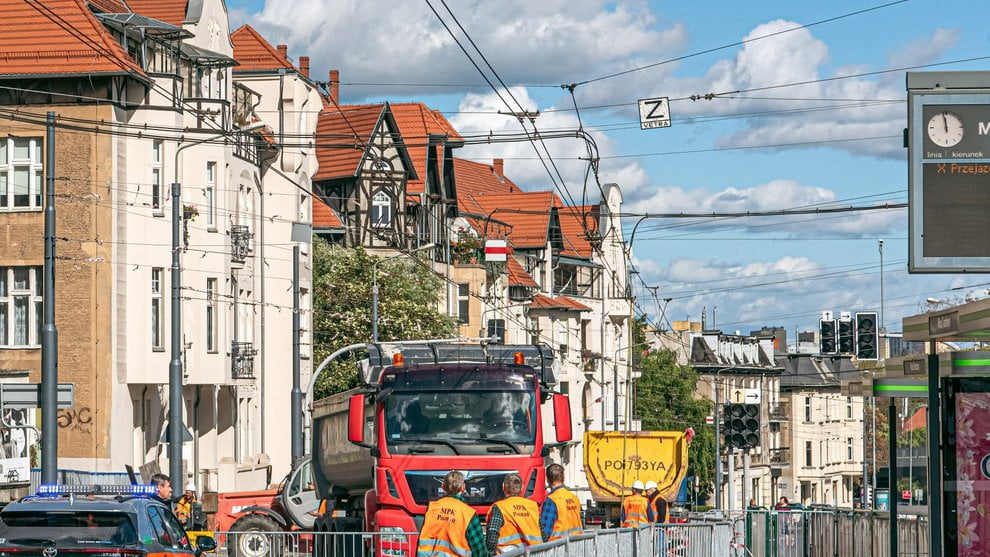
column 451, row 528
column 513, row 522
column 634, row 512
column 561, row 512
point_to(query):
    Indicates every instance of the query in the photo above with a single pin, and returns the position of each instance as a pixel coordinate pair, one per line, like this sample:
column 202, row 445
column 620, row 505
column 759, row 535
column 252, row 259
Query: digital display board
column 949, row 172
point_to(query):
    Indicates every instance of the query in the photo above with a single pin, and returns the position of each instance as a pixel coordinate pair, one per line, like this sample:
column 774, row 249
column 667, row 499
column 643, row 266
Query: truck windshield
column 476, row 422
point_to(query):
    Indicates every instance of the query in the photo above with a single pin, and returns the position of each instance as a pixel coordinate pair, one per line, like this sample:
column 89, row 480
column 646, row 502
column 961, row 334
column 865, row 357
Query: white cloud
column 478, row 116
column 771, row 196
column 383, row 41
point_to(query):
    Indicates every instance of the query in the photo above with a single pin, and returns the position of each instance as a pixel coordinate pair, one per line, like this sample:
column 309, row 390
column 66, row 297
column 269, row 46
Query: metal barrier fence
column 625, row 542
column 831, row 533
column 81, row 477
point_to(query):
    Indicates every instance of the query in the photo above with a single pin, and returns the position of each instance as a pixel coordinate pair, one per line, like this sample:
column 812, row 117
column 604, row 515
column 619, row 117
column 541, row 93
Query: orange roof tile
column 575, row 225
column 254, row 53
column 109, row 6
column 57, row 37
column 416, row 123
column 562, row 303
column 474, row 179
column 342, row 136
column 324, row 216
column 528, row 213
column 518, row 275
column 169, row 11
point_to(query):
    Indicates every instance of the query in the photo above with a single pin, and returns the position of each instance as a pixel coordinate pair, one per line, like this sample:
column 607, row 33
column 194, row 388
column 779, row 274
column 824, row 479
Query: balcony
column 781, row 412
column 779, row 457
column 240, row 243
column 242, row 360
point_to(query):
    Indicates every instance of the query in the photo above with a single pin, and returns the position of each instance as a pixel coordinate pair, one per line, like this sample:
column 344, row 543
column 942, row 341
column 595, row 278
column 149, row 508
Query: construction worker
column 634, row 507
column 451, row 528
column 184, row 506
column 656, row 508
column 561, row 513
column 512, row 522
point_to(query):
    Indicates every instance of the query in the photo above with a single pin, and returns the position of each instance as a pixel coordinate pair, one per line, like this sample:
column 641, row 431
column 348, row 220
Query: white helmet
column 638, row 485
column 651, row 484
column 190, row 487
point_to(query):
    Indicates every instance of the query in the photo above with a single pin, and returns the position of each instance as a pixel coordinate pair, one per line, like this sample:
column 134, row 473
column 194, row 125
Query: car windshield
column 471, row 421
column 73, row 527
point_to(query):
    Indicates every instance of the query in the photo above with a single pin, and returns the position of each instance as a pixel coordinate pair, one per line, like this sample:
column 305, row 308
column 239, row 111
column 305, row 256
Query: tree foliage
column 666, row 401
column 408, row 294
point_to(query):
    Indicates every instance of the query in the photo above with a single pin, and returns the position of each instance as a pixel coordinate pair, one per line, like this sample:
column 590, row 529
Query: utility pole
column 718, row 448
column 745, row 486
column 295, row 404
column 175, row 426
column 730, row 487
column 892, row 474
column 49, row 333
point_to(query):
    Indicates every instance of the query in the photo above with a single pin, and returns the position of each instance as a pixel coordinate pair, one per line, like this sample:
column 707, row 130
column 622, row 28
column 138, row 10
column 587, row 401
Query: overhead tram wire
column 739, row 43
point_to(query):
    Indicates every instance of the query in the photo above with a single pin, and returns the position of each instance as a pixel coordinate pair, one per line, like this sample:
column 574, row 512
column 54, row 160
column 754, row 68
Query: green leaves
column 408, row 306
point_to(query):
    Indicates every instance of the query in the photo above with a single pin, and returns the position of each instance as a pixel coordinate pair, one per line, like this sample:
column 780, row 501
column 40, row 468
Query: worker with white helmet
column 634, row 507
column 656, row 508
column 184, row 506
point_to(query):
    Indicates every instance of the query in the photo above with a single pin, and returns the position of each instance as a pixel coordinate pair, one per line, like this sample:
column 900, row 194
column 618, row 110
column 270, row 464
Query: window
column 156, row 177
column 534, row 331
column 157, row 309
column 463, row 303
column 20, row 307
column 849, row 407
column 561, row 336
column 496, row 328
column 807, row 453
column 211, row 315
column 807, row 408
column 21, row 173
column 211, row 196
column 849, row 448
column 381, row 209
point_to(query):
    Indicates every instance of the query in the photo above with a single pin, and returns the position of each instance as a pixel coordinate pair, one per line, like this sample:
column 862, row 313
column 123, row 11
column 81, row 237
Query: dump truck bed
column 613, row 460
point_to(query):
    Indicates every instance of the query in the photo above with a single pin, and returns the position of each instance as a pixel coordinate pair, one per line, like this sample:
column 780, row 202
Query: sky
column 806, row 112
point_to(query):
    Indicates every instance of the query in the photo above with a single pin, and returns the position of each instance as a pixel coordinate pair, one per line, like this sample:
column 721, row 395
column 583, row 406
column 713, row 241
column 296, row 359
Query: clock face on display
column 945, row 128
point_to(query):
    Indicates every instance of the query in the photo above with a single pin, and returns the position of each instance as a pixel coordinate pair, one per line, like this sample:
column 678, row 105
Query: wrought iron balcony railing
column 242, row 360
column 780, row 456
column 240, row 243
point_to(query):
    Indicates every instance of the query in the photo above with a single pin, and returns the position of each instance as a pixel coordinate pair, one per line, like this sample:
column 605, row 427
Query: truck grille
column 481, row 487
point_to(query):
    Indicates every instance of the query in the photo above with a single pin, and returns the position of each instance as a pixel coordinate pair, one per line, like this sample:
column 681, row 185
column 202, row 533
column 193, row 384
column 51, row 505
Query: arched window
column 381, row 209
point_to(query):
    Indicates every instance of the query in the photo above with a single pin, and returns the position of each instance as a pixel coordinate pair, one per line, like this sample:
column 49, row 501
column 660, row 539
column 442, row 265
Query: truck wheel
column 256, row 536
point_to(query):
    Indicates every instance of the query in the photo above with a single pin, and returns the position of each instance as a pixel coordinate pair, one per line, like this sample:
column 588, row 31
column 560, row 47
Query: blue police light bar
column 55, row 490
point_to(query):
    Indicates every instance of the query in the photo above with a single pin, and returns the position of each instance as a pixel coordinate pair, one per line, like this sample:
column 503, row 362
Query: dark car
column 80, row 522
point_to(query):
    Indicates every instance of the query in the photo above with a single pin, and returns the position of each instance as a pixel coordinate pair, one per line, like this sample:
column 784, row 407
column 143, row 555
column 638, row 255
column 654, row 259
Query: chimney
column 497, row 166
column 304, row 65
column 335, row 87
column 283, row 51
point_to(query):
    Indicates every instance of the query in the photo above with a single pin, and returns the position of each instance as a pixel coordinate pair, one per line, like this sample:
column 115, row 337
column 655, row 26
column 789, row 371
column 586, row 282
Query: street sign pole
column 49, row 333
column 934, row 456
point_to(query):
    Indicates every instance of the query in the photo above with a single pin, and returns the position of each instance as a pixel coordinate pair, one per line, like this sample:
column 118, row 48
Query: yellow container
column 613, row 460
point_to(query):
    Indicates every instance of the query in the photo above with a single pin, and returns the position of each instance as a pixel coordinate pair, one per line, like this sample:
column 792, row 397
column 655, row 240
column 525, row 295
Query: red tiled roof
column 169, row 11
column 474, row 179
column 918, row 420
column 518, row 275
column 528, row 213
column 575, row 225
column 57, row 37
column 562, row 303
column 416, row 122
column 342, row 136
column 109, row 6
column 324, row 216
column 254, row 53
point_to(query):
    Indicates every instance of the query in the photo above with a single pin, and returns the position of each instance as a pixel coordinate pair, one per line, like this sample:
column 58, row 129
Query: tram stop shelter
column 957, row 386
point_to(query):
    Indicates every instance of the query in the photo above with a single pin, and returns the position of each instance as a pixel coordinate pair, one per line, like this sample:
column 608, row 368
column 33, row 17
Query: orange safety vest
column 444, row 532
column 521, row 523
column 634, row 510
column 654, row 505
column 568, row 514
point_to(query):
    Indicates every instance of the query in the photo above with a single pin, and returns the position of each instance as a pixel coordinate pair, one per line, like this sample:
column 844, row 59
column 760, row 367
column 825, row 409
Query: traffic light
column 827, row 336
column 847, row 344
column 742, row 430
column 867, row 336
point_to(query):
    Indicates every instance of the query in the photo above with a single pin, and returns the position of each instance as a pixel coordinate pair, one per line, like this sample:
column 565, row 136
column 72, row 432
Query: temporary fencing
column 830, row 533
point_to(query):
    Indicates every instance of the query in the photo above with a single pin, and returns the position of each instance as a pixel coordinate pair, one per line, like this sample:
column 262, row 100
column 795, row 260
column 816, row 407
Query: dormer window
column 381, row 209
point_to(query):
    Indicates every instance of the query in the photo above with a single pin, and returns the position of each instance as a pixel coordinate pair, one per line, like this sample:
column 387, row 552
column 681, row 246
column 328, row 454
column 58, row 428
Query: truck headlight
column 395, row 541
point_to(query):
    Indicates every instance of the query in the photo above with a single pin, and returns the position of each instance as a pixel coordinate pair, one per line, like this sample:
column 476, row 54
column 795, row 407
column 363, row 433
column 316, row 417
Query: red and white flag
column 496, row 250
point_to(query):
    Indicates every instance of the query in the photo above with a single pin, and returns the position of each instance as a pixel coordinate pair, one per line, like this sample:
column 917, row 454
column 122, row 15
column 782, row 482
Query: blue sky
column 757, row 271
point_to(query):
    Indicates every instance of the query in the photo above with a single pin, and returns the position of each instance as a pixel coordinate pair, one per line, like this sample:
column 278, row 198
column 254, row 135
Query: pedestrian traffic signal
column 847, row 344
column 867, row 336
column 827, row 342
column 742, row 429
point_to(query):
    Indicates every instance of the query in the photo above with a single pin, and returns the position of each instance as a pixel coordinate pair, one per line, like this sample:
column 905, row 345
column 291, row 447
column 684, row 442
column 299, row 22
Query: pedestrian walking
column 561, row 512
column 451, row 528
column 513, row 522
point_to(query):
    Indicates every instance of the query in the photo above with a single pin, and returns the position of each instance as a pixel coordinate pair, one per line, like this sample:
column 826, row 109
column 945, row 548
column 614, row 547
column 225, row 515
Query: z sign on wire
column 654, row 113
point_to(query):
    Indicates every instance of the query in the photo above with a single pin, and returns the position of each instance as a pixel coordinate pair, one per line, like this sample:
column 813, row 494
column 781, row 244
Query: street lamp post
column 374, row 287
